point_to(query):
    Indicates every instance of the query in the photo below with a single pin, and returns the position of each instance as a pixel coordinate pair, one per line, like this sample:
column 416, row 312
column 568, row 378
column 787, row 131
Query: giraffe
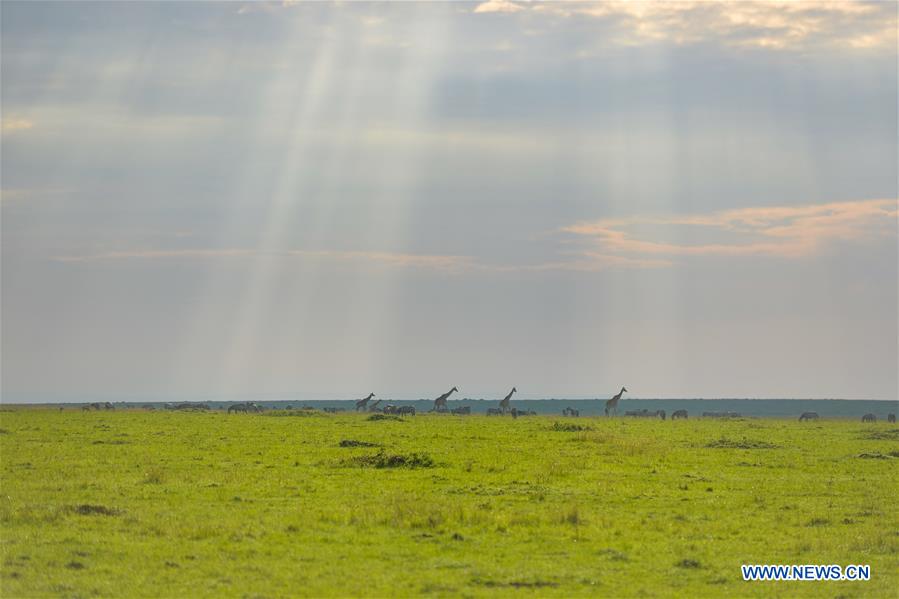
column 612, row 404
column 362, row 404
column 504, row 404
column 440, row 402
column 374, row 407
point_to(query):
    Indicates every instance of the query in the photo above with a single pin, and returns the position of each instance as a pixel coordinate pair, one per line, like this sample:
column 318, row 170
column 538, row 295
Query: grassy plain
column 133, row 503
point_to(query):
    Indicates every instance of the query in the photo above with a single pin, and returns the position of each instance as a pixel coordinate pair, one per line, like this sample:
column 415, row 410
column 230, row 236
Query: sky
column 325, row 200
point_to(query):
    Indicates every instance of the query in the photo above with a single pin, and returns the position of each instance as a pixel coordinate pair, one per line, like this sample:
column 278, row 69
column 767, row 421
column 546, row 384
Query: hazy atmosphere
column 692, row 200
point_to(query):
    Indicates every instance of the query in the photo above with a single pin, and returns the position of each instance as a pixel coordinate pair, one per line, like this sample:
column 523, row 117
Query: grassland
column 207, row 504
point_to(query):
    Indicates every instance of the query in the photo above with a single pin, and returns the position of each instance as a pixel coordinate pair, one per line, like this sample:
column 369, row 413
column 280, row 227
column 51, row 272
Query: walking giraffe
column 440, row 402
column 362, row 404
column 612, row 404
column 504, row 404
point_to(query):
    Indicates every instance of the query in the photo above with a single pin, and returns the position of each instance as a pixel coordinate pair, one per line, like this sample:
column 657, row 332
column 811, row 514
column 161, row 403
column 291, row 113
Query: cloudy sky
column 690, row 199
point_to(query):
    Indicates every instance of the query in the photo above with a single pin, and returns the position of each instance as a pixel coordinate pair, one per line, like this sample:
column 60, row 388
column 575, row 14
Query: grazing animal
column 440, row 402
column 808, row 416
column 516, row 413
column 612, row 404
column 721, row 415
column 362, row 404
column 494, row 412
column 461, row 410
column 646, row 414
column 891, row 418
column 869, row 418
column 334, row 410
column 374, row 407
column 191, row 406
column 390, row 409
column 238, row 407
column 406, row 411
column 570, row 412
column 679, row 414
column 505, row 404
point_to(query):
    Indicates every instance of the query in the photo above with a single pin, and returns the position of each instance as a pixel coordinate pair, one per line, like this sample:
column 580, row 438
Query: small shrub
column 882, row 435
column 690, row 564
column 383, row 460
column 614, row 555
column 818, row 522
column 572, row 516
column 86, row 509
column 569, row 427
column 376, row 417
column 725, row 443
column 875, row 456
column 354, row 443
column 154, row 476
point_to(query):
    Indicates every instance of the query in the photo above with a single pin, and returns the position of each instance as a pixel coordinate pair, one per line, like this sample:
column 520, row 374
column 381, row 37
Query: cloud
column 786, row 231
column 618, row 243
column 768, row 24
column 13, row 124
column 498, row 6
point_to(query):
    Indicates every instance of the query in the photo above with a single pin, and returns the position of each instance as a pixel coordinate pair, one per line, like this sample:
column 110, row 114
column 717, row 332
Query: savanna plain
column 170, row 504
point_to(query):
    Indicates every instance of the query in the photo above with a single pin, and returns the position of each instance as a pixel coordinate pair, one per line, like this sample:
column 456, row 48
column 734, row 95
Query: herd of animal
column 441, row 406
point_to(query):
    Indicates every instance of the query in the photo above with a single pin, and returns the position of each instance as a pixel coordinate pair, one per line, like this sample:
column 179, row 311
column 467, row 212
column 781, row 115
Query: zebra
column 390, row 409
column 721, row 415
column 239, row 407
column 679, row 414
column 808, row 416
column 406, row 410
column 646, row 414
column 891, row 418
column 570, row 412
column 869, row 418
column 461, row 411
column 516, row 412
column 494, row 412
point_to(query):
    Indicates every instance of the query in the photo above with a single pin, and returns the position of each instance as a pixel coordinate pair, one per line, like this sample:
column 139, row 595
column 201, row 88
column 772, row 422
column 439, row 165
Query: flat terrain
column 133, row 503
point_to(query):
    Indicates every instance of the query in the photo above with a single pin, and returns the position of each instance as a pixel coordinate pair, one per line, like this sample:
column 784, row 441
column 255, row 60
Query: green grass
column 207, row 504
